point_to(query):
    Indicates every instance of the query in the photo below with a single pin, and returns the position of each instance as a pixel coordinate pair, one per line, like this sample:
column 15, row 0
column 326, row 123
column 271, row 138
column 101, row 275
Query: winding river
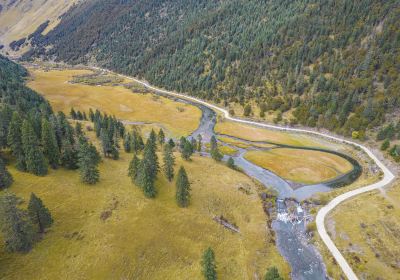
column 290, row 228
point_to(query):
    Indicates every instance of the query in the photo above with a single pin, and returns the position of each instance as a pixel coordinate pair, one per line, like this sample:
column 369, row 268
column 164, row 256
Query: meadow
column 369, row 236
column 254, row 133
column 177, row 118
column 110, row 230
column 301, row 166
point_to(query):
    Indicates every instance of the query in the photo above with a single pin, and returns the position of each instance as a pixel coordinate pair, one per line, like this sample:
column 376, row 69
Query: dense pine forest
column 331, row 64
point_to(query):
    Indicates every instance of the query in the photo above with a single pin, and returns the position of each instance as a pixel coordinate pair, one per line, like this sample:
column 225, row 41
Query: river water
column 289, row 226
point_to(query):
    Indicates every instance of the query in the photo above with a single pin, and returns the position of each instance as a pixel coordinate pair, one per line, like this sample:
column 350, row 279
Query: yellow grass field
column 178, row 118
column 253, row 133
column 21, row 19
column 300, row 166
column 143, row 238
column 243, row 145
column 369, row 236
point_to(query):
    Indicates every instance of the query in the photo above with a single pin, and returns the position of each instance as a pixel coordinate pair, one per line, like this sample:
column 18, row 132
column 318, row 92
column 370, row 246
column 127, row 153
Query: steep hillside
column 326, row 63
column 19, row 18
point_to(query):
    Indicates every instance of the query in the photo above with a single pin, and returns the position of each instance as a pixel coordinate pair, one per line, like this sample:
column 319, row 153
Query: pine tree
column 78, row 129
column 127, row 142
column 161, row 137
column 169, row 162
column 171, row 143
column 182, row 188
column 5, row 177
column 153, row 138
column 272, row 274
column 49, row 144
column 69, row 155
column 73, row 114
column 16, row 227
column 91, row 115
column 133, row 169
column 199, row 144
column 182, row 142
column 186, row 153
column 215, row 154
column 231, row 163
column 209, row 265
column 193, row 143
column 148, row 169
column 35, row 162
column 39, row 214
column 88, row 160
column 14, row 140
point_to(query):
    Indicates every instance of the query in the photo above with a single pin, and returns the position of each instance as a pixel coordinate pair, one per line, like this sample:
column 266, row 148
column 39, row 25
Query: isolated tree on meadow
column 39, row 214
column 34, row 158
column 14, row 141
column 16, row 227
column 133, row 169
column 169, row 162
column 88, row 160
column 49, row 144
column 182, row 188
column 209, row 265
column 6, row 179
column 161, row 137
column 272, row 274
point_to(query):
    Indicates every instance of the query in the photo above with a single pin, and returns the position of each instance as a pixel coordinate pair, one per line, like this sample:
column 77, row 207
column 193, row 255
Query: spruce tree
column 209, row 265
column 91, row 115
column 148, row 169
column 35, row 162
column 182, row 142
column 182, row 188
column 199, row 144
column 49, row 144
column 272, row 274
column 169, row 162
column 69, row 155
column 171, row 143
column 88, row 160
column 16, row 227
column 39, row 214
column 161, row 137
column 127, row 142
column 215, row 154
column 14, row 140
column 187, row 151
column 153, row 138
column 231, row 163
column 78, row 129
column 5, row 177
column 133, row 169
column 73, row 114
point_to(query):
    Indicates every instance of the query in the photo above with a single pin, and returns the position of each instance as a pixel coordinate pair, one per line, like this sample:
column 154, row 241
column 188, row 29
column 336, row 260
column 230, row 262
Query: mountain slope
column 326, row 63
column 19, row 18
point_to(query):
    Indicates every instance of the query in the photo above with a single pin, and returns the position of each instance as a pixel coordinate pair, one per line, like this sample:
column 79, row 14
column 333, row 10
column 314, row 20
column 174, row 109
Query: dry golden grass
column 22, row 19
column 243, row 145
column 301, row 166
column 369, row 236
column 180, row 119
column 253, row 133
column 143, row 238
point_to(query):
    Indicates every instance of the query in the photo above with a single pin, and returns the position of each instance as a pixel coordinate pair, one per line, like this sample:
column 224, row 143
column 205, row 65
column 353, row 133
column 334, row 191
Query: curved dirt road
column 320, row 219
